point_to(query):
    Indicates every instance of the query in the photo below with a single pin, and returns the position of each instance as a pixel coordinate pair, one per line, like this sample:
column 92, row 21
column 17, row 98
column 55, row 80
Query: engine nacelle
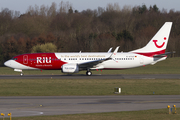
column 70, row 68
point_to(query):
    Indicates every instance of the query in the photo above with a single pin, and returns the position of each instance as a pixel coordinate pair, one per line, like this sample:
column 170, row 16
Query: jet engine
column 70, row 68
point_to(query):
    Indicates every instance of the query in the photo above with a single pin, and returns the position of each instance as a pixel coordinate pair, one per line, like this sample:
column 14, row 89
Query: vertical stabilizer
column 157, row 45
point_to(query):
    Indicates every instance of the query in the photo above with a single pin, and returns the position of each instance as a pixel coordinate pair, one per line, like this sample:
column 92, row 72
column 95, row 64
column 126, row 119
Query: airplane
column 71, row 63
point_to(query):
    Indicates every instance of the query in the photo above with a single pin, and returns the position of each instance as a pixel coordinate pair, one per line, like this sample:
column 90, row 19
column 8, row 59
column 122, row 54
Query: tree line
column 89, row 30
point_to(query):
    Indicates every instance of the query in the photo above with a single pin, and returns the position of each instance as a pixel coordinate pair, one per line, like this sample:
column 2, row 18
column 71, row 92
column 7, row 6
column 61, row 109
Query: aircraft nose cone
column 7, row 63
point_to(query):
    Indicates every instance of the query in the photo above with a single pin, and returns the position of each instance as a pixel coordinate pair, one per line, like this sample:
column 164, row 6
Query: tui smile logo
column 159, row 46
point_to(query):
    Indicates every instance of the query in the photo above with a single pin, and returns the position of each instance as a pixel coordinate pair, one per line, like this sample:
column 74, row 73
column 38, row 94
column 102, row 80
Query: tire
column 88, row 73
column 21, row 74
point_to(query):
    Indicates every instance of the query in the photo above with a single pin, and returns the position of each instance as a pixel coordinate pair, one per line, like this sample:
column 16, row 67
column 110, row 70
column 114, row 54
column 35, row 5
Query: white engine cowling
column 70, row 68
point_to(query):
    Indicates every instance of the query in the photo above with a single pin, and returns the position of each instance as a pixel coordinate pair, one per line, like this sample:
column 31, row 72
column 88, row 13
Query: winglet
column 109, row 50
column 115, row 52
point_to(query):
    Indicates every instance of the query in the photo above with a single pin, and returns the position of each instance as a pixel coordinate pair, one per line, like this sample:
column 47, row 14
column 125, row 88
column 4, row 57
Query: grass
column 158, row 114
column 67, row 87
column 168, row 66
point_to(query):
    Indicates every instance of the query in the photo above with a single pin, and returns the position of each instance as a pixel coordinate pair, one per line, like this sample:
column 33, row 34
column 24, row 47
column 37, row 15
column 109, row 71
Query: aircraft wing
column 92, row 64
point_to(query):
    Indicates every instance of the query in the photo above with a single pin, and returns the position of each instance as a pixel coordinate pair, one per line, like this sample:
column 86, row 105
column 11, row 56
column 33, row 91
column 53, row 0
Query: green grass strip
column 67, row 87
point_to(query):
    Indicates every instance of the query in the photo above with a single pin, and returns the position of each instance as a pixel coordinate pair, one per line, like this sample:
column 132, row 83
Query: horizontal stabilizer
column 165, row 54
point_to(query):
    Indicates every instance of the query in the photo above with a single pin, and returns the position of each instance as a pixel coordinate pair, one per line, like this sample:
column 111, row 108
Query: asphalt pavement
column 59, row 105
column 97, row 76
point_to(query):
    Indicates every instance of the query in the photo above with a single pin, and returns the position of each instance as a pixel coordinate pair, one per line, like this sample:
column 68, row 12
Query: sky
column 80, row 5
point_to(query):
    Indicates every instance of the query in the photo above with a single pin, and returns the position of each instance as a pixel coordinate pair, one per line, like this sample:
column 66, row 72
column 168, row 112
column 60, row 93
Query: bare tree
column 52, row 10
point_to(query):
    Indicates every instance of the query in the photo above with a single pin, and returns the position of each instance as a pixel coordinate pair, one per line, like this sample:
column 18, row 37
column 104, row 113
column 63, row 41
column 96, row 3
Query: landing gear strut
column 88, row 73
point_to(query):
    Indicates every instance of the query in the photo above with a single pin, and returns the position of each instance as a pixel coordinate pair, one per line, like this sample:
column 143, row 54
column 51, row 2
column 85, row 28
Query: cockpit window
column 14, row 58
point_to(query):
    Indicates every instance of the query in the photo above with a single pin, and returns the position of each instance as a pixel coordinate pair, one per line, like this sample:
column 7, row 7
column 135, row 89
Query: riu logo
column 43, row 60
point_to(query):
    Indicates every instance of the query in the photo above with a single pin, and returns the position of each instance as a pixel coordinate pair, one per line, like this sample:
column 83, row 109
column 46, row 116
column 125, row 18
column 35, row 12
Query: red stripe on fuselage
column 151, row 54
column 46, row 61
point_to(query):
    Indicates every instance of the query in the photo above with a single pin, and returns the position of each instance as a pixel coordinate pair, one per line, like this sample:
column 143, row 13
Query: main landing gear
column 88, row 73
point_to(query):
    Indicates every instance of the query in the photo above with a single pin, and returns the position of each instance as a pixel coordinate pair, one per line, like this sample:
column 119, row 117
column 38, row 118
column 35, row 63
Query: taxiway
column 80, row 76
column 59, row 105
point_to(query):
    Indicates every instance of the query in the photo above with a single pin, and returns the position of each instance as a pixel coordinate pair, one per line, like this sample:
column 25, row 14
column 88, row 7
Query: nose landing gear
column 21, row 74
column 88, row 73
column 19, row 70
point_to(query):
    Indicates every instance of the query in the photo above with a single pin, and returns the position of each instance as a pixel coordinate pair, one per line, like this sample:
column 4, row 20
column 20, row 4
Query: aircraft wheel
column 21, row 74
column 88, row 73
